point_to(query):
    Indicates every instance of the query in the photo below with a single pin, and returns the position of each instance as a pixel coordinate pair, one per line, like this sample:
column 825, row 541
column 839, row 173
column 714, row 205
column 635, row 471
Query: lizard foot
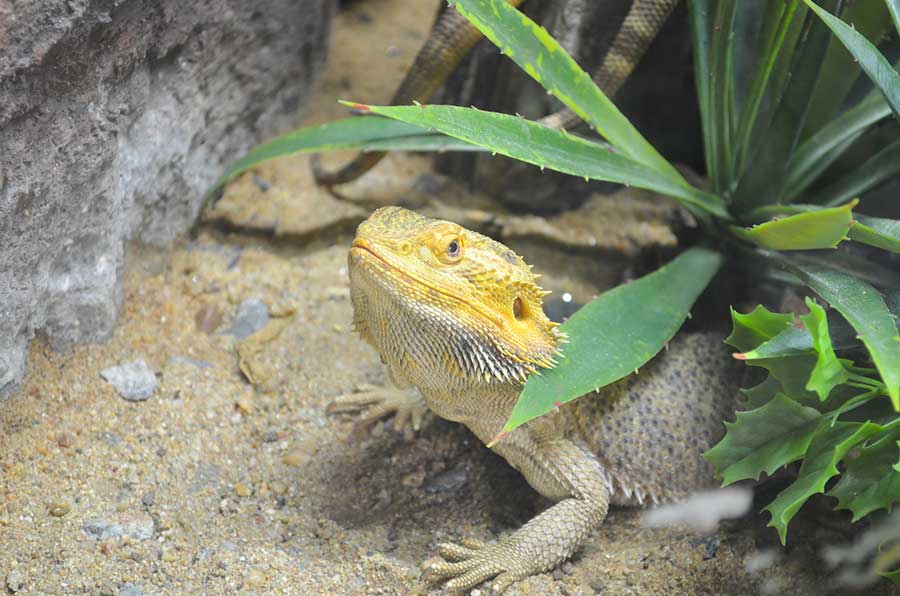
column 376, row 403
column 465, row 565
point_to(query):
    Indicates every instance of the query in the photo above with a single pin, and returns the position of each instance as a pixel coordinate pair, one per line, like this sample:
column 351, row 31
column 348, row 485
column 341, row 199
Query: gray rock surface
column 115, row 117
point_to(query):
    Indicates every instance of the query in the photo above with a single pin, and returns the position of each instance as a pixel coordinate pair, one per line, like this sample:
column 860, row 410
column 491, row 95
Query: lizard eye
column 453, row 250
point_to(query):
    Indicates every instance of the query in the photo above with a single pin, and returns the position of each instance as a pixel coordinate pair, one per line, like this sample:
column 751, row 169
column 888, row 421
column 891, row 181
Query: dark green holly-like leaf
column 828, row 371
column 797, row 341
column 751, row 329
column 864, row 308
column 761, row 394
column 829, row 445
column 870, row 481
column 764, row 439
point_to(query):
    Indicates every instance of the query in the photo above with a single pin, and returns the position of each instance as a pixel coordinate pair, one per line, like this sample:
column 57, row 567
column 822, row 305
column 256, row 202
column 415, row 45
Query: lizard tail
column 451, row 38
column 641, row 25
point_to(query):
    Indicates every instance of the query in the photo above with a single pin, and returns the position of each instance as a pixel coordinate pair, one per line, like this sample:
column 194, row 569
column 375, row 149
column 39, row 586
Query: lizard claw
column 464, row 566
column 377, row 403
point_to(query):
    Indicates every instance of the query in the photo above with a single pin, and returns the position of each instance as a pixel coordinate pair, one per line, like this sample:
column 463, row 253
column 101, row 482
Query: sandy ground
column 231, row 479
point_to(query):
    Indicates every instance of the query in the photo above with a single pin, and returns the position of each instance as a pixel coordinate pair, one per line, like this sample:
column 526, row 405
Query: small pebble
column 260, row 183
column 208, row 318
column 134, row 526
column 109, row 438
column 295, row 458
column 134, row 380
column 278, row 487
column 270, row 436
column 58, row 509
column 252, row 315
column 64, row 440
column 195, row 362
column 413, row 479
column 129, row 589
column 254, row 579
column 245, row 404
column 15, row 581
column 242, row 490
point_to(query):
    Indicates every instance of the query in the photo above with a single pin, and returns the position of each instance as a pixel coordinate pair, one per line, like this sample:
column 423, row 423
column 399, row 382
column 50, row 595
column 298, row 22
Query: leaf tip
column 500, row 436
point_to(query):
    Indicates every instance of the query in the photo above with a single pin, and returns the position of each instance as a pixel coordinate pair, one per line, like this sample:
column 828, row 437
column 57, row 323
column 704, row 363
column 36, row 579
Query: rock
column 58, row 509
column 129, row 589
column 115, row 119
column 111, row 439
column 134, row 380
column 208, row 318
column 15, row 581
column 449, row 481
column 252, row 315
column 138, row 526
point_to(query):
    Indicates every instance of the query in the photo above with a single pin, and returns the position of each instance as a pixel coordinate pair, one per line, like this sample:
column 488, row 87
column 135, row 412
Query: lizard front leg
column 558, row 469
column 375, row 403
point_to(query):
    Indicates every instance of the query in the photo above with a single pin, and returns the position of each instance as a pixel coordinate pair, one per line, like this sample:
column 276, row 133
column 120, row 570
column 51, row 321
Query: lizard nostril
column 519, row 310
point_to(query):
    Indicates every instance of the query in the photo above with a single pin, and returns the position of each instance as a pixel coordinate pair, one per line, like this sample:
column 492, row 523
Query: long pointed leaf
column 875, row 65
column 722, row 108
column 770, row 51
column 536, row 144
column 877, row 169
column 877, row 231
column 764, row 181
column 541, row 56
column 894, row 9
column 349, row 133
column 617, row 333
column 823, row 148
column 840, row 71
column 701, row 15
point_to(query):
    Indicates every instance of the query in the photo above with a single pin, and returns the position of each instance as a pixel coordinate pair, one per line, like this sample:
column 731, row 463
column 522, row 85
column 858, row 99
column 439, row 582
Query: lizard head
column 484, row 293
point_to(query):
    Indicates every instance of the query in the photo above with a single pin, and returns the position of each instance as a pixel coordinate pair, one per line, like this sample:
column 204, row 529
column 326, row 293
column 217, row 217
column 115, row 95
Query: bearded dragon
column 459, row 316
column 451, row 38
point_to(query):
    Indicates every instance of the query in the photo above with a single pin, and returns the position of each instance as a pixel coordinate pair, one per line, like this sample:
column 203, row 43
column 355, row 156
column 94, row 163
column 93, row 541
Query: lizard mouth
column 362, row 247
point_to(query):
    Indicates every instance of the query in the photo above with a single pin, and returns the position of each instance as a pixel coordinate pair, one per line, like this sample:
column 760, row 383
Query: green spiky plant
column 789, row 94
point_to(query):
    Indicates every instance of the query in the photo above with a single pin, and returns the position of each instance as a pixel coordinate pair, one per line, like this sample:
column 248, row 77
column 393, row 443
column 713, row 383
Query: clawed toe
column 465, row 565
column 455, row 552
column 374, row 404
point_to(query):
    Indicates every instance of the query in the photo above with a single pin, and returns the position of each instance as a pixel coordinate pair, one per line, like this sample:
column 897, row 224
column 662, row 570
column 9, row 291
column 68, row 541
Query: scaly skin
column 460, row 317
column 453, row 36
